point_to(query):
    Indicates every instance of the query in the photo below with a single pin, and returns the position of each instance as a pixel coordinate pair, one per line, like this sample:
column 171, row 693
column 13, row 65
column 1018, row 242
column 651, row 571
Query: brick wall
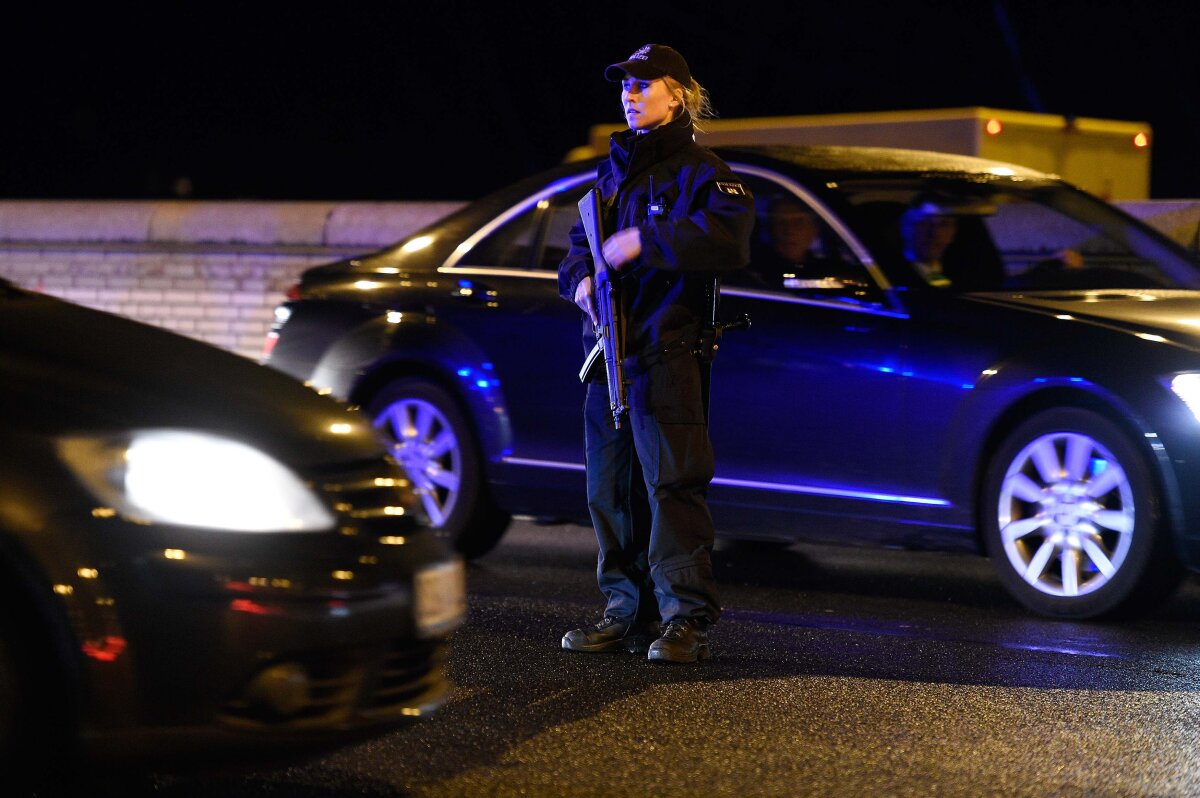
column 223, row 297
column 216, row 270
column 213, row 271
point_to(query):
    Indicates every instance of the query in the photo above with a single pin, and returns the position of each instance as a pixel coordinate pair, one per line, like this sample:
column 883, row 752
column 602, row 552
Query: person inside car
column 927, row 229
column 680, row 216
column 790, row 250
column 945, row 240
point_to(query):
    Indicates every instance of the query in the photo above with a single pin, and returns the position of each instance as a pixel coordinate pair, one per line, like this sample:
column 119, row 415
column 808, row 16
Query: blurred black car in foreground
column 198, row 553
column 1043, row 408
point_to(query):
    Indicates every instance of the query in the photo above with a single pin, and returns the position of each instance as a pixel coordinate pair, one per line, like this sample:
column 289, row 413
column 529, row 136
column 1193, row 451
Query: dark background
column 448, row 100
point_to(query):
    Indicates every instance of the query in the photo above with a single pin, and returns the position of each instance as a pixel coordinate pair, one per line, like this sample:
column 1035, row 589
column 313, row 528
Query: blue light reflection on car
column 831, row 491
column 475, row 378
column 949, row 379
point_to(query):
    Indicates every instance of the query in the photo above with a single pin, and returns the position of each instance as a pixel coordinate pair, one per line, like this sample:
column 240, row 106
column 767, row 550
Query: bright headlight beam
column 196, row 479
column 200, row 480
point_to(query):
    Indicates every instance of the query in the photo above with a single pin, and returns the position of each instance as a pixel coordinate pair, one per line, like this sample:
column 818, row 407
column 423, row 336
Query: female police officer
column 680, row 216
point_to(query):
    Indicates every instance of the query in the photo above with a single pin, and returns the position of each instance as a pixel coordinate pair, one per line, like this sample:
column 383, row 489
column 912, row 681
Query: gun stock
column 610, row 332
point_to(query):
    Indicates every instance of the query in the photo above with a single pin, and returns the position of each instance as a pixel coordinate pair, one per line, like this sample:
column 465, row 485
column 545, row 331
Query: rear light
column 269, row 344
column 293, row 291
column 1141, row 140
column 282, row 314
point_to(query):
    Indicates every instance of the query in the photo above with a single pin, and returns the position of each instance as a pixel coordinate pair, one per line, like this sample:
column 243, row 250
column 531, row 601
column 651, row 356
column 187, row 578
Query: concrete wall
column 216, row 270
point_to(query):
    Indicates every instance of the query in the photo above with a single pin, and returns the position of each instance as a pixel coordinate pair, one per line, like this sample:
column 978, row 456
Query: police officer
column 676, row 216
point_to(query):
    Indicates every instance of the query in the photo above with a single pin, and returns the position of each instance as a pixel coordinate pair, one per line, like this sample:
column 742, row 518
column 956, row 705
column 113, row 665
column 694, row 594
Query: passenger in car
column 927, row 229
column 946, row 241
column 789, row 251
column 680, row 216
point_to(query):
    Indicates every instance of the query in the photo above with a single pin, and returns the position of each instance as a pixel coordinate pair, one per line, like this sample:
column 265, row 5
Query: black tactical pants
column 646, row 492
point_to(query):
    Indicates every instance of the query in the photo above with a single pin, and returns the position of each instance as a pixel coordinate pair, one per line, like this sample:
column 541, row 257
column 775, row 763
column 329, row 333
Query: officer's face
column 647, row 103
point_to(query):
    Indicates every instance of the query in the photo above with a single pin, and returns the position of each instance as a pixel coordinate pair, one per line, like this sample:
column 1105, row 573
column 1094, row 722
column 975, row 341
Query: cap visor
column 639, row 69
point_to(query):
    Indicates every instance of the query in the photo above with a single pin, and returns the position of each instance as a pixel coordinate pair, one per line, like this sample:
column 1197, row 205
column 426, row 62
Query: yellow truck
column 1107, row 157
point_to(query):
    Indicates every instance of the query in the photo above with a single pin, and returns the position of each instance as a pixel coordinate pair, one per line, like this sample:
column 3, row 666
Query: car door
column 806, row 402
column 508, row 304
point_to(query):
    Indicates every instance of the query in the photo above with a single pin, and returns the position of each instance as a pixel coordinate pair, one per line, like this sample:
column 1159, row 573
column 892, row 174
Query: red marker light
column 106, row 649
column 1141, row 140
column 993, row 127
column 253, row 607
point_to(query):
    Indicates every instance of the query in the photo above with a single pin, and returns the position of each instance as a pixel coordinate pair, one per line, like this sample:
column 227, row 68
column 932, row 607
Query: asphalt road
column 836, row 672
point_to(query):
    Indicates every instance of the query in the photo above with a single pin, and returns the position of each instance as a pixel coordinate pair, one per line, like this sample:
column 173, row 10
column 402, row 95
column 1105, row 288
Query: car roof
column 819, row 163
column 850, row 162
column 830, row 162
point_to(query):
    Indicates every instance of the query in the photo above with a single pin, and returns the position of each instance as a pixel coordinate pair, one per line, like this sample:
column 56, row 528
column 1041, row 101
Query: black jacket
column 701, row 225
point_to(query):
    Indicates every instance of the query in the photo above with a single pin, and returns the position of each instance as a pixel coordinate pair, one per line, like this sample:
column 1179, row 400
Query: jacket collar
column 630, row 152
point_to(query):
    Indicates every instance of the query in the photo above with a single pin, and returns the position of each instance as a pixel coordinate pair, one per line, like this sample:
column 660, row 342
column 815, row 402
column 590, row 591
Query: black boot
column 611, row 634
column 684, row 640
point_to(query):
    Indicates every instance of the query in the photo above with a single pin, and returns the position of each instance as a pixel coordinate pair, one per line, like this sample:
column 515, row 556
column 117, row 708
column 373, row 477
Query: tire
column 433, row 442
column 1073, row 519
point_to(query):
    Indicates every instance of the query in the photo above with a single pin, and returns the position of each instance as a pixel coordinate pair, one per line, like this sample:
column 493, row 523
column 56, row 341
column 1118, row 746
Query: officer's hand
column 583, row 298
column 623, row 246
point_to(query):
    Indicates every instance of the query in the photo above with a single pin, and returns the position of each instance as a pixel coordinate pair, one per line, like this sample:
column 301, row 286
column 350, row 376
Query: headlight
column 1187, row 388
column 195, row 479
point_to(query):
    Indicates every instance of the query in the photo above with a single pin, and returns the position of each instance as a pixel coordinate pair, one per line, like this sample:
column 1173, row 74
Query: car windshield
column 1002, row 236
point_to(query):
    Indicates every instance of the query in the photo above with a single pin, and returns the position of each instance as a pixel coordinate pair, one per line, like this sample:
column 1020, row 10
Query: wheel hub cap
column 1066, row 514
column 424, row 444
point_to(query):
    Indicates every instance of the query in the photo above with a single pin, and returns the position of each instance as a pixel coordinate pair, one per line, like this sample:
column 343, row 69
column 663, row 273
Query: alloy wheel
column 1066, row 514
column 425, row 445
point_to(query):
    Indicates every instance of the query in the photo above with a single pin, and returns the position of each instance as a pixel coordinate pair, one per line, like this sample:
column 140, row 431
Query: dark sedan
column 197, row 553
column 1031, row 393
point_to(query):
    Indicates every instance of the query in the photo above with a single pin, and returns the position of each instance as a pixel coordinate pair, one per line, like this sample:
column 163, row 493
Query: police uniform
column 647, row 481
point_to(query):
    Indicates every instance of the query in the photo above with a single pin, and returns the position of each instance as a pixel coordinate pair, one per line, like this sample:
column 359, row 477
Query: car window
column 795, row 251
column 537, row 237
column 1000, row 236
column 510, row 245
column 1043, row 245
column 561, row 215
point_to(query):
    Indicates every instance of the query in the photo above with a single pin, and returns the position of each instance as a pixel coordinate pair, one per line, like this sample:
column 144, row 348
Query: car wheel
column 1073, row 520
column 432, row 441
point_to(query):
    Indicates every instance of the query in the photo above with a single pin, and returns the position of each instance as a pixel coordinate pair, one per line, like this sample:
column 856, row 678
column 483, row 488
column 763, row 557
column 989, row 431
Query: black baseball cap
column 650, row 62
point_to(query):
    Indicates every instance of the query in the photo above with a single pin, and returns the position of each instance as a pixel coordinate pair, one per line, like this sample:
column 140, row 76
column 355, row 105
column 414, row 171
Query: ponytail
column 695, row 101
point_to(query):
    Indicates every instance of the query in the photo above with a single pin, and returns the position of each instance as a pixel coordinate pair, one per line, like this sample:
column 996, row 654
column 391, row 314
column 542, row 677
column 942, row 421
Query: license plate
column 440, row 598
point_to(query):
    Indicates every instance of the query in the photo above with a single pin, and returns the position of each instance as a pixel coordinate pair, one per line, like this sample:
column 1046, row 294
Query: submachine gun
column 610, row 332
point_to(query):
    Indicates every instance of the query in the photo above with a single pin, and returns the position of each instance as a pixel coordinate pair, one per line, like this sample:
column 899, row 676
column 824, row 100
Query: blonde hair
column 695, row 100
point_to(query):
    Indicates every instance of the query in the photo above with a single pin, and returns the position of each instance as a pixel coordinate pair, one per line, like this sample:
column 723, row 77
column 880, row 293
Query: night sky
column 451, row 100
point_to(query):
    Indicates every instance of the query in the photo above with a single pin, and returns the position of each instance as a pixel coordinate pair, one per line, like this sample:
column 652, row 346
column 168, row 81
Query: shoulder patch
column 736, row 189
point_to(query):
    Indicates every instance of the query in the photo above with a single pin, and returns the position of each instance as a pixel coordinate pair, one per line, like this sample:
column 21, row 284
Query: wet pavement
column 836, row 672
